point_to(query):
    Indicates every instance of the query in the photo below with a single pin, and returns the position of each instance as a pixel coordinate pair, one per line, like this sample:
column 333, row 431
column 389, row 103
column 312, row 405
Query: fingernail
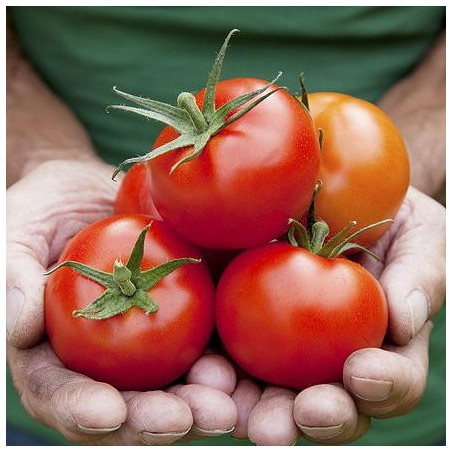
column 96, row 431
column 322, row 432
column 217, row 432
column 371, row 390
column 419, row 309
column 15, row 300
column 161, row 439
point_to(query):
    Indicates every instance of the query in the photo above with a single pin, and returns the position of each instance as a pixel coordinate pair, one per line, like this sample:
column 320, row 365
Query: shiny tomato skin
column 291, row 318
column 134, row 195
column 365, row 166
column 250, row 179
column 131, row 351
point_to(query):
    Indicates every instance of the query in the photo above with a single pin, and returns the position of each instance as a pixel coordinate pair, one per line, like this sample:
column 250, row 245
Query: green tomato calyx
column 122, row 276
column 195, row 126
column 313, row 238
column 127, row 286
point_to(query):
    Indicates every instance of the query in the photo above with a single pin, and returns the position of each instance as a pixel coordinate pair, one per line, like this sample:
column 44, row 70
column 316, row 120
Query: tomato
column 365, row 167
column 243, row 188
column 134, row 195
column 235, row 161
column 132, row 350
column 291, row 317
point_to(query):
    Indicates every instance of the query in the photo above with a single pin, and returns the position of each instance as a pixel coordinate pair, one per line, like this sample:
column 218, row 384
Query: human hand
column 380, row 383
column 93, row 413
column 44, row 210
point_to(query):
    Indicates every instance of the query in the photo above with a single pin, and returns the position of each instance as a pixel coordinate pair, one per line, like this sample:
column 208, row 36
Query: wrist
column 420, row 116
column 418, row 110
column 39, row 126
column 44, row 155
column 417, row 105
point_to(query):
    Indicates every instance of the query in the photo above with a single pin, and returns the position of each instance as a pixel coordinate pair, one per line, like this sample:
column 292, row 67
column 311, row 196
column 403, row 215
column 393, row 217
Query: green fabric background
column 158, row 52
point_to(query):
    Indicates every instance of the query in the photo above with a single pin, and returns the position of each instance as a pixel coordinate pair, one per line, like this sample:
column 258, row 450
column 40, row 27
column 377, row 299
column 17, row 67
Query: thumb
column 27, row 251
column 44, row 209
column 25, row 282
column 414, row 277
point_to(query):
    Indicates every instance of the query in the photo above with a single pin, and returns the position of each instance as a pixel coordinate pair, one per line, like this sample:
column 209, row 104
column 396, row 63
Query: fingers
column 414, row 276
column 81, row 409
column 214, row 412
column 326, row 414
column 210, row 382
column 154, row 418
column 27, row 250
column 384, row 383
column 379, row 383
column 388, row 383
column 215, row 371
column 271, row 421
column 246, row 395
column 24, row 294
column 89, row 412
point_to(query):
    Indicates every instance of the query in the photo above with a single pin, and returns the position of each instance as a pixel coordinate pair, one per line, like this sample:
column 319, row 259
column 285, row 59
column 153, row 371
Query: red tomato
column 132, row 350
column 247, row 182
column 291, row 318
column 365, row 167
column 134, row 195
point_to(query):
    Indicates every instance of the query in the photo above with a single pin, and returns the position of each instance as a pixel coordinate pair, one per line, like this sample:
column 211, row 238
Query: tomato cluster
column 224, row 225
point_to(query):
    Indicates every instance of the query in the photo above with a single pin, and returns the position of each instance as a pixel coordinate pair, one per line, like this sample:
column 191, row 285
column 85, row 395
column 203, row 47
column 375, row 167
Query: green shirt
column 157, row 52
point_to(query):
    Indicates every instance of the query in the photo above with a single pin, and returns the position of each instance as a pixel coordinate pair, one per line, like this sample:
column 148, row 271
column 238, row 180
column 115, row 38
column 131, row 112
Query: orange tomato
column 365, row 166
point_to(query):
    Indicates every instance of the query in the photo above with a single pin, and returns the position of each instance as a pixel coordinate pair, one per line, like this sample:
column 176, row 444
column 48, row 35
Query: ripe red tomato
column 134, row 195
column 365, row 167
column 251, row 177
column 132, row 350
column 291, row 317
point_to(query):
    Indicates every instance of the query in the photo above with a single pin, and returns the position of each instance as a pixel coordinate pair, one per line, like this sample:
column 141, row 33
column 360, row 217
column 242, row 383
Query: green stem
column 312, row 217
column 319, row 232
column 313, row 237
column 121, row 276
column 187, row 102
column 304, row 92
column 121, row 294
column 195, row 126
column 301, row 239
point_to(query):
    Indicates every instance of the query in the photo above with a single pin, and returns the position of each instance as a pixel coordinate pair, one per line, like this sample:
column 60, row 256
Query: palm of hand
column 46, row 208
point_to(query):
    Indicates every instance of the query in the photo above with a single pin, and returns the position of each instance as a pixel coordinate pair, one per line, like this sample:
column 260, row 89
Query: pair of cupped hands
column 58, row 198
